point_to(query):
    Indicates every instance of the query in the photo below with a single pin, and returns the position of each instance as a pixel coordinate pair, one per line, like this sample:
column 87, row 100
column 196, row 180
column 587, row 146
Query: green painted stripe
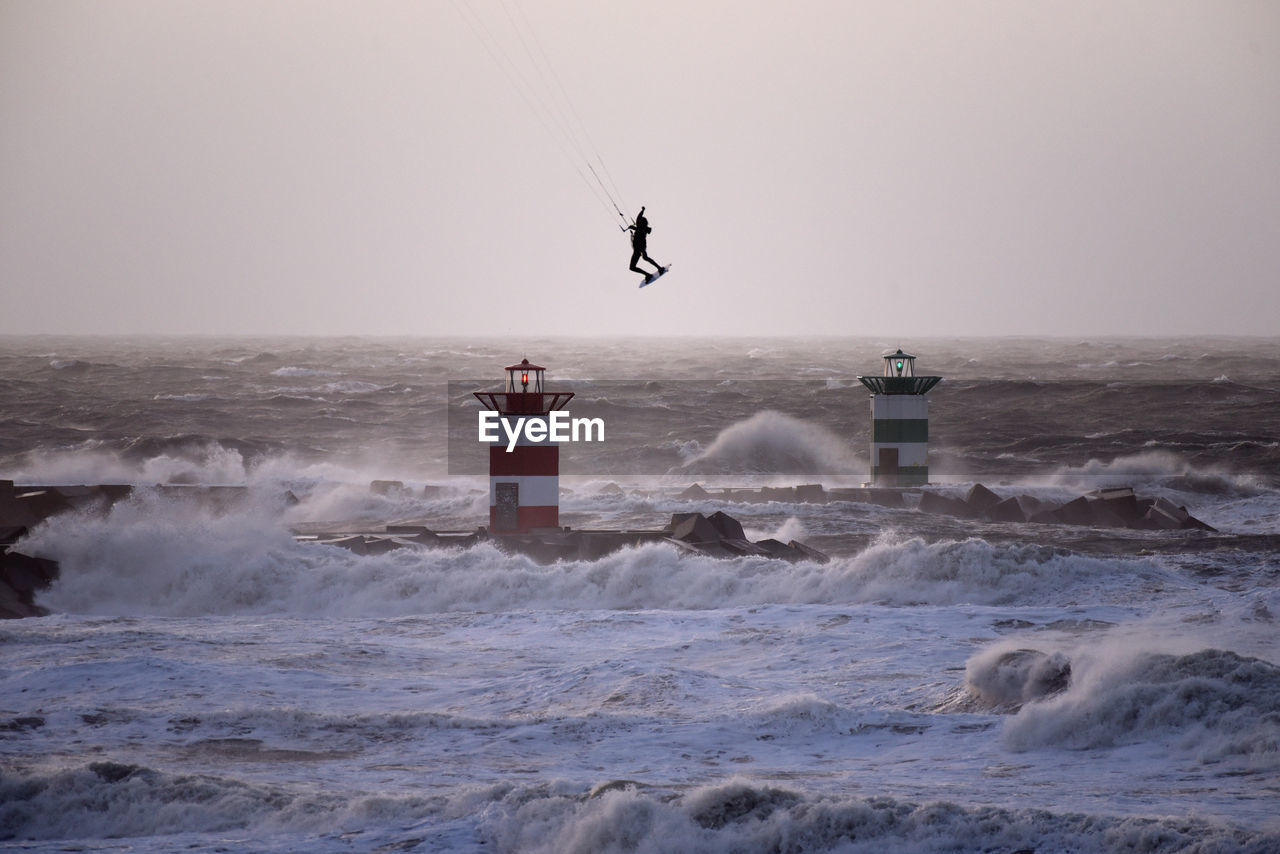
column 907, row 476
column 885, row 430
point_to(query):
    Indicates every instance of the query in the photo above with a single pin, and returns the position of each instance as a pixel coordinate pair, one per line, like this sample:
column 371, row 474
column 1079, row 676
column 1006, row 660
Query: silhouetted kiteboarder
column 639, row 234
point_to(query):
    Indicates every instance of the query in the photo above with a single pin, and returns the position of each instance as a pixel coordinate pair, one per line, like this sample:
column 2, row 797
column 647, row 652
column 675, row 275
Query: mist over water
column 207, row 681
column 88, row 409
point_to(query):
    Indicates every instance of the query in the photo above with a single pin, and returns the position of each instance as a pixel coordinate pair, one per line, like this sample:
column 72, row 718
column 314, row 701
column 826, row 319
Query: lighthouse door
column 506, row 506
column 888, row 474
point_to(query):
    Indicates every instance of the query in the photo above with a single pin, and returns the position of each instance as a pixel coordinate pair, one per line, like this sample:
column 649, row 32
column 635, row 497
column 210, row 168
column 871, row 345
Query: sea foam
column 741, row 815
column 1213, row 703
column 153, row 555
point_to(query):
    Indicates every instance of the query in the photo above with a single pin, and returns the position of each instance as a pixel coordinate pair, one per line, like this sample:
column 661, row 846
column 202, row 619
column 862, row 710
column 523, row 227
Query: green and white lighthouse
column 899, row 422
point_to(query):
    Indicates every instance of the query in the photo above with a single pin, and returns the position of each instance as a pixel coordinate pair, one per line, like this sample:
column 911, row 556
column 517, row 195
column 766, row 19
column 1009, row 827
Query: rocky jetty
column 717, row 535
column 21, row 576
column 1117, row 507
column 721, row 535
column 805, row 493
column 24, row 507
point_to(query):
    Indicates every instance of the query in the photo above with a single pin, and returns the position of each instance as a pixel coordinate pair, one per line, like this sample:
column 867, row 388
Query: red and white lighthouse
column 524, row 477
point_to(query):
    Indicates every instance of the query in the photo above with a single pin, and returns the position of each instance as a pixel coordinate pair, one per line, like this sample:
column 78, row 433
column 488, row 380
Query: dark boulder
column 21, row 576
column 885, row 497
column 694, row 528
column 729, row 527
column 808, row 552
column 980, row 499
column 933, row 502
column 778, row 549
column 694, row 492
column 739, row 547
column 1101, row 515
column 1120, row 501
column 1009, row 510
column 811, row 493
column 1075, row 512
column 1031, row 506
column 10, row 534
column 389, row 488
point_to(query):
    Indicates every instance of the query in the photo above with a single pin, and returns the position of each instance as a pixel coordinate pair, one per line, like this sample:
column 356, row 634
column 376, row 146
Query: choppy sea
column 207, row 682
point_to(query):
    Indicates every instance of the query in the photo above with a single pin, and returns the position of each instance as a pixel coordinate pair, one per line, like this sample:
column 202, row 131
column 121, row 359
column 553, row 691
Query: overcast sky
column 840, row 167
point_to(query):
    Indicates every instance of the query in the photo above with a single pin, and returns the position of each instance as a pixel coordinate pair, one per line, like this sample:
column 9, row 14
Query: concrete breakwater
column 715, row 535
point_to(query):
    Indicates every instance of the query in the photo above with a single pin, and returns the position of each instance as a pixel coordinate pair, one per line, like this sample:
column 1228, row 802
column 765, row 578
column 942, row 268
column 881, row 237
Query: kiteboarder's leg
column 651, row 261
column 635, row 256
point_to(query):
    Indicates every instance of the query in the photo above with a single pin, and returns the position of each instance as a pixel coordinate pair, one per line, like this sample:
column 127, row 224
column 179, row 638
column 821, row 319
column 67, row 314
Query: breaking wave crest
column 1002, row 680
column 1159, row 467
column 1132, row 685
column 1212, row 702
column 115, row 800
column 746, row 816
column 186, row 459
column 152, row 555
column 977, row 572
column 771, row 442
column 179, row 460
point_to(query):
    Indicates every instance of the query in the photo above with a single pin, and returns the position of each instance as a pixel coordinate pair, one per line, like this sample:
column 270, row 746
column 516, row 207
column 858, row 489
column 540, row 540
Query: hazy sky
column 882, row 168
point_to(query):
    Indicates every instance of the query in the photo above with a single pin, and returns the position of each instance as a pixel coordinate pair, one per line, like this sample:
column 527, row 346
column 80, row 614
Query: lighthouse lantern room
column 524, row 483
column 899, row 422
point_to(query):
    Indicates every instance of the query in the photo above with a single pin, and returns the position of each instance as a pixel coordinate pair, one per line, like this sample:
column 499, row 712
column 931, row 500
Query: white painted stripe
column 899, row 406
column 535, row 491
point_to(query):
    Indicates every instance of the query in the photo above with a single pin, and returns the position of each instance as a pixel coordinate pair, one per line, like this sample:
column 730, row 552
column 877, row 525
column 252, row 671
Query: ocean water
column 206, row 682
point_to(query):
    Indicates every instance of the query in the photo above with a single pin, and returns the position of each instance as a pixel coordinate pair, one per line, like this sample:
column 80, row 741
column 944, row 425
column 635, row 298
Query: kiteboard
column 653, row 277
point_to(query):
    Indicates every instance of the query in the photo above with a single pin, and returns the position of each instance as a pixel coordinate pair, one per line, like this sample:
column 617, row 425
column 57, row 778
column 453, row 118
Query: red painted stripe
column 539, row 517
column 527, row 517
column 524, row 461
